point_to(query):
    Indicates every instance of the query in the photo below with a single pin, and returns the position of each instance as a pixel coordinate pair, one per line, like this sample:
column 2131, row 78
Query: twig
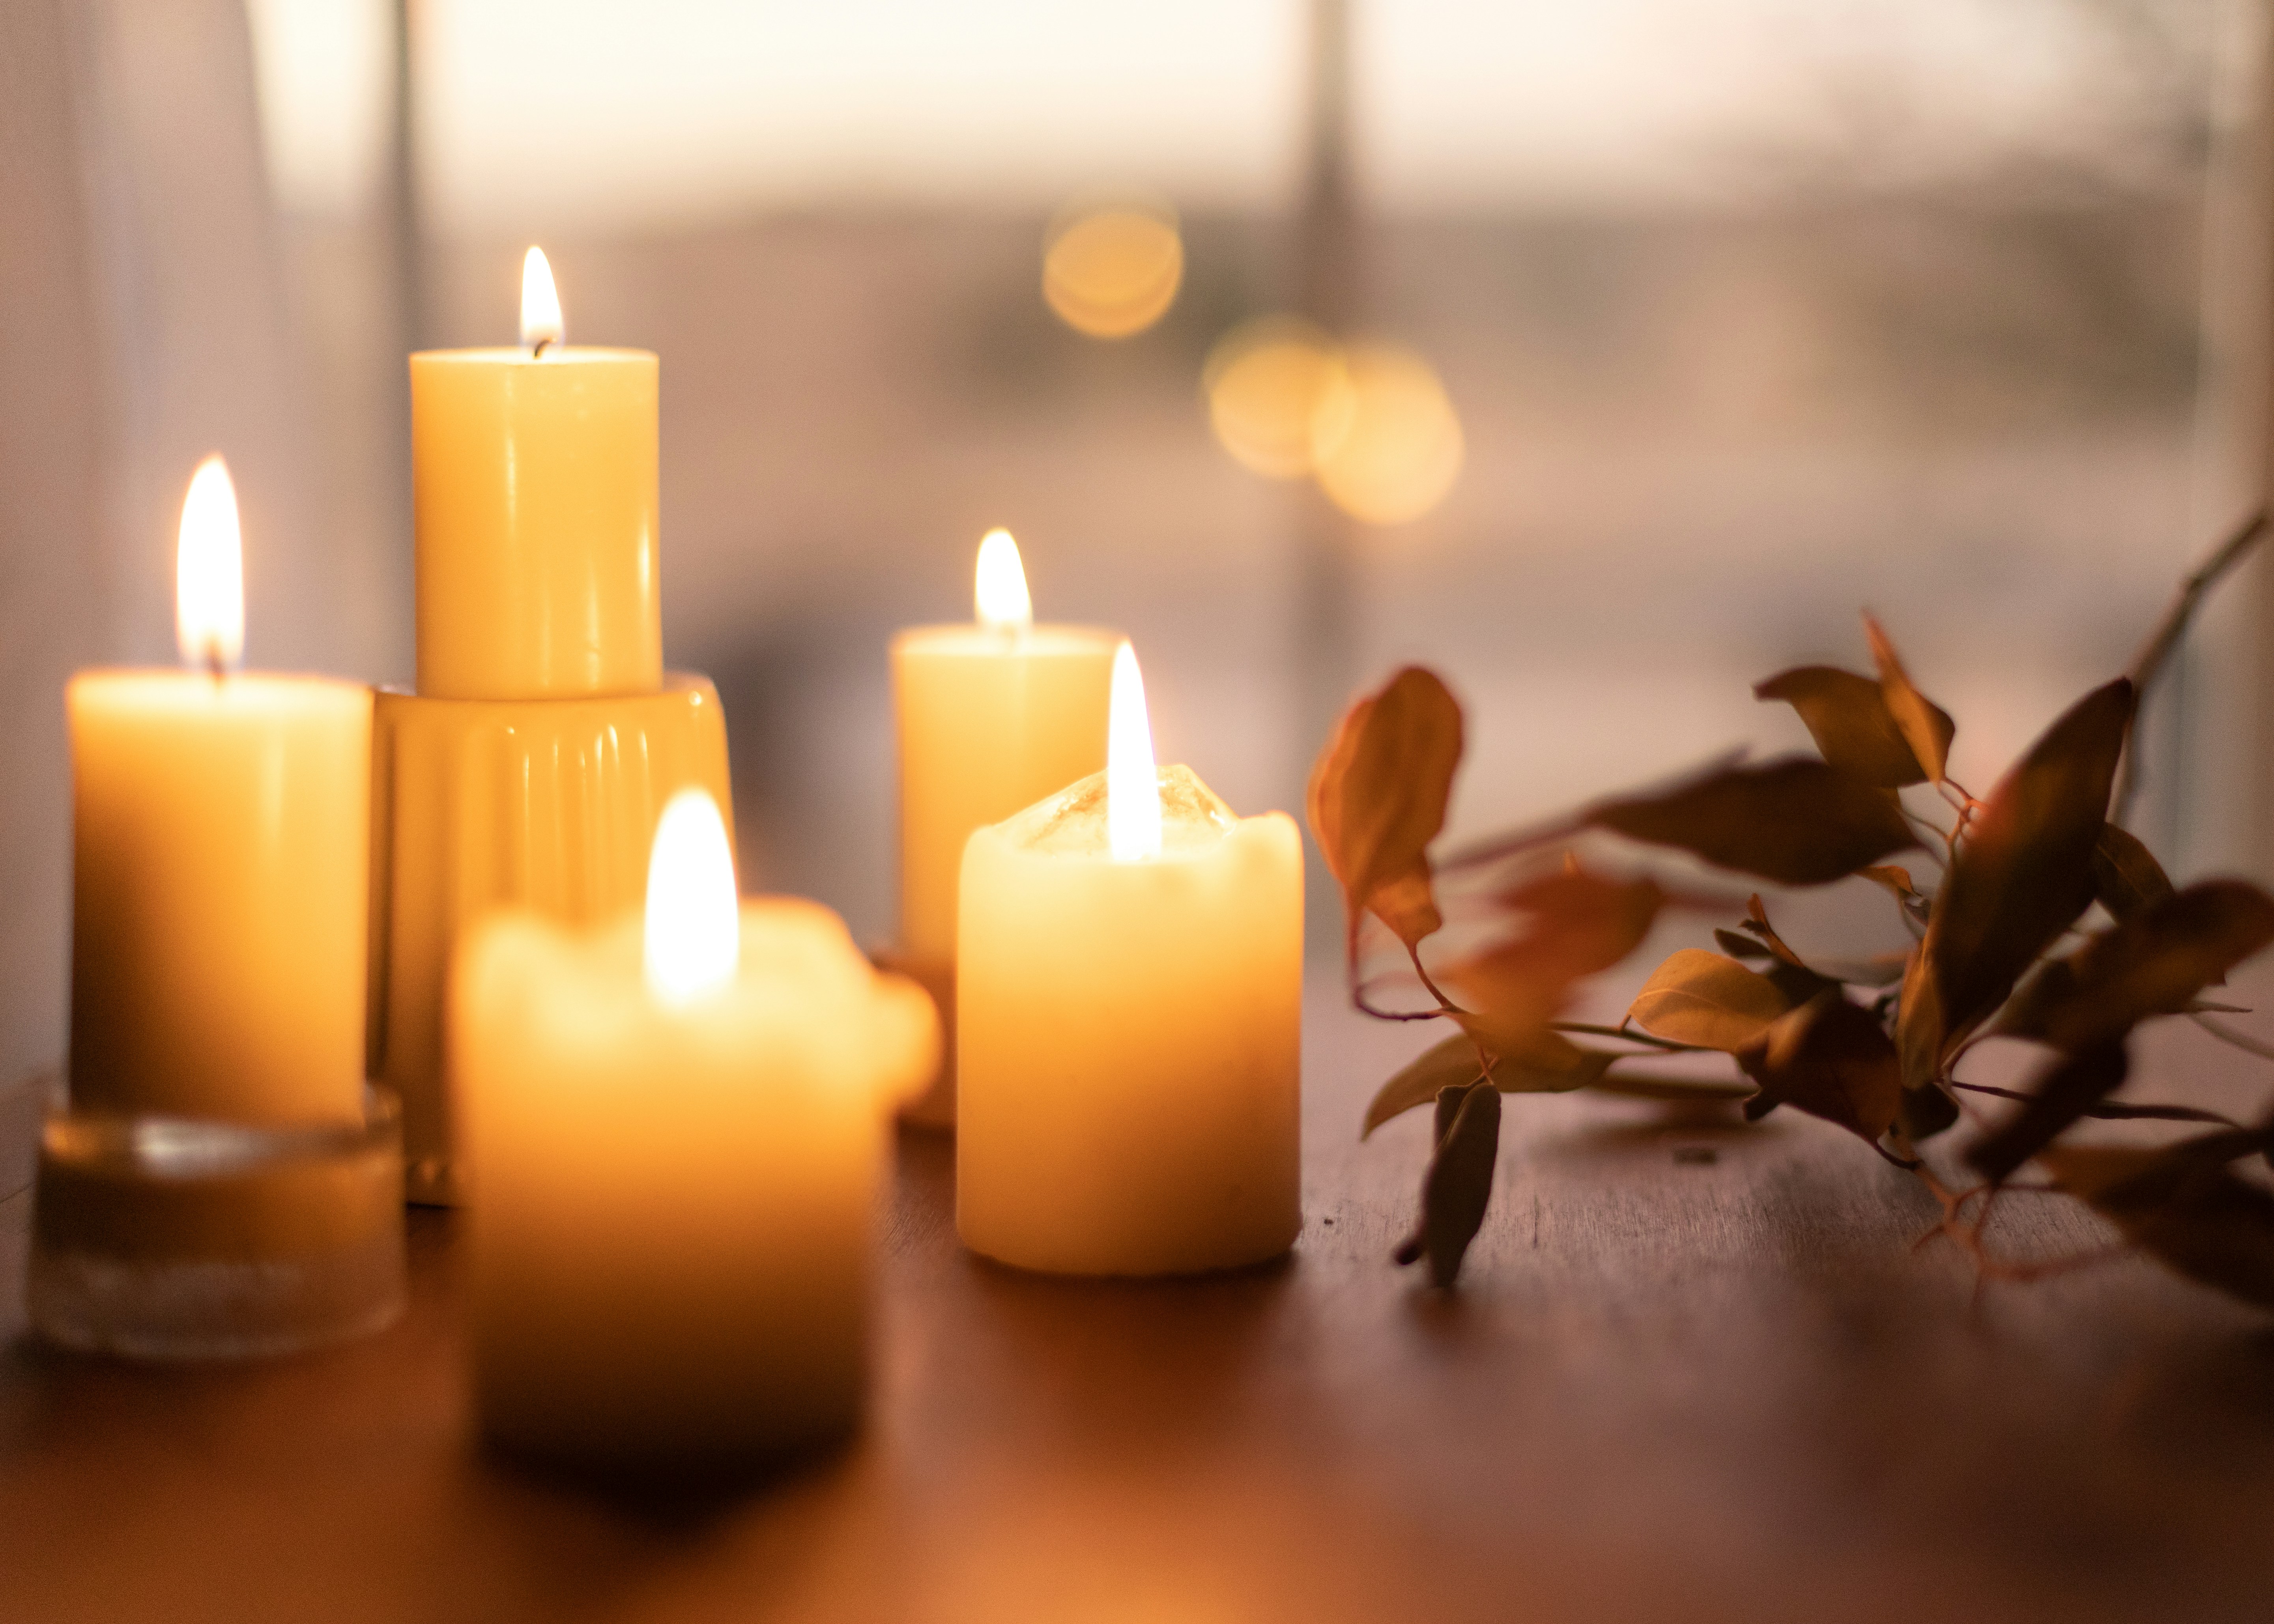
column 2111, row 1110
column 2148, row 664
column 2227, row 1034
column 1631, row 1036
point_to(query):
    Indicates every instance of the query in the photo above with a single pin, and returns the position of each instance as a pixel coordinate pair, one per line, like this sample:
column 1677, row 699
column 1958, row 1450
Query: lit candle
column 219, row 871
column 533, row 475
column 992, row 716
column 1128, row 1009
column 674, row 1130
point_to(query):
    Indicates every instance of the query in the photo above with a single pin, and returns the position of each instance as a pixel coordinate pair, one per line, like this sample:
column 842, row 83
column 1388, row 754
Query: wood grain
column 1695, row 1371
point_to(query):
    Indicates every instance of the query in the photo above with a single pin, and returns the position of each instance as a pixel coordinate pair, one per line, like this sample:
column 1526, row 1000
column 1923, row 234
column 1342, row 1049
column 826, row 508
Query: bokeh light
column 1276, row 388
column 1112, row 272
column 1387, row 450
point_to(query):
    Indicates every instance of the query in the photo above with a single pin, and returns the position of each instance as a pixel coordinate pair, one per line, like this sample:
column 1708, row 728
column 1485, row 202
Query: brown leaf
column 1742, row 946
column 2181, row 1204
column 1457, row 1187
column 1830, row 1059
column 1703, row 999
column 1848, row 718
column 2154, row 962
column 1915, row 905
column 1453, row 1063
column 2071, row 1085
column 1918, row 1023
column 1377, row 799
column 2126, row 876
column 2023, row 873
column 1791, row 975
column 1796, row 821
column 1925, row 726
column 1577, row 924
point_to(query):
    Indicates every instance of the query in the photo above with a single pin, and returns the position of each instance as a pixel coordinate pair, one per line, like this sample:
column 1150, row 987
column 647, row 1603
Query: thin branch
column 2228, row 1034
column 2148, row 664
column 1632, row 1036
column 2111, row 1110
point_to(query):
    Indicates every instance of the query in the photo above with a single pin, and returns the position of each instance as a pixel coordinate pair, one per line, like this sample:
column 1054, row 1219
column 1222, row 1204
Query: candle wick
column 214, row 665
column 537, row 348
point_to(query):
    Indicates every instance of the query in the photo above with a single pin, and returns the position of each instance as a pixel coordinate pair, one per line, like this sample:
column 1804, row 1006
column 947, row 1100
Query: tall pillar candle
column 533, row 474
column 1128, row 1026
column 676, row 1129
column 219, row 869
column 992, row 716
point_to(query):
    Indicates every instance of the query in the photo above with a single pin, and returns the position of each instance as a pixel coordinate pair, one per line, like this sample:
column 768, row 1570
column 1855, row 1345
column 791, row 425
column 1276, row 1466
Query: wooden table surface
column 1712, row 1385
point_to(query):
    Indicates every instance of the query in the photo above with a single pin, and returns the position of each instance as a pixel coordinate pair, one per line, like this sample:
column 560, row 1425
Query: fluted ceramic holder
column 167, row 1237
column 478, row 804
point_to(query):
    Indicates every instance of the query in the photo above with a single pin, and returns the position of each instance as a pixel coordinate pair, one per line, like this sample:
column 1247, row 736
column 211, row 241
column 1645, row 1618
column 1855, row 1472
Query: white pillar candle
column 1129, row 1005
column 674, row 1132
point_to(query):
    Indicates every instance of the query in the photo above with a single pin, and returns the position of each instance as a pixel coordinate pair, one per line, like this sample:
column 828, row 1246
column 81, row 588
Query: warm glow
column 1132, row 785
column 209, row 572
column 1000, row 588
column 1111, row 273
column 1275, row 389
column 540, row 302
column 1391, row 451
column 694, row 923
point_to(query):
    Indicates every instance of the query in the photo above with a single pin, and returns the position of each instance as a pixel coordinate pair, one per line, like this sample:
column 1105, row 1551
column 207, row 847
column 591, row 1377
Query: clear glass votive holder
column 167, row 1237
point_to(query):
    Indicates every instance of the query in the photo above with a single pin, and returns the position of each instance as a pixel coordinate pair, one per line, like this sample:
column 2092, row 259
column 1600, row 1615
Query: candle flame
column 694, row 924
column 1000, row 586
column 209, row 572
column 1133, row 786
column 540, row 303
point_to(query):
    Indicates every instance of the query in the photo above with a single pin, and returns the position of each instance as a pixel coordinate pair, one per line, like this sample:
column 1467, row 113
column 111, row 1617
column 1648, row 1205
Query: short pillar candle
column 1129, row 1015
column 675, row 1130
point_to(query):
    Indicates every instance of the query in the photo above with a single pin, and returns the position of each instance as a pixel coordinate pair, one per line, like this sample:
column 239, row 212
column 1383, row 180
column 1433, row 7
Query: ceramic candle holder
column 478, row 804
column 168, row 1237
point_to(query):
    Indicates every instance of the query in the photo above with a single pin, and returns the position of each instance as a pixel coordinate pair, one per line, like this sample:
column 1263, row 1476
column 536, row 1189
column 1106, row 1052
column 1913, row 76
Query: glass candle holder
column 164, row 1238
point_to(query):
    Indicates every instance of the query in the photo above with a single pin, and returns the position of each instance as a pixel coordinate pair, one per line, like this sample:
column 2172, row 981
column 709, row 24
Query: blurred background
column 1604, row 357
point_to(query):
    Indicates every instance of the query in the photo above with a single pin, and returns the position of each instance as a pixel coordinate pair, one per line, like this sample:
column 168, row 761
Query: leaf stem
column 2148, row 664
column 1631, row 1036
column 2227, row 1034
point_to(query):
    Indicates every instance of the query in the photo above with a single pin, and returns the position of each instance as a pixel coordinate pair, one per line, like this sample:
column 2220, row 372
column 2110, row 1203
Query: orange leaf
column 1377, row 799
column 1577, row 924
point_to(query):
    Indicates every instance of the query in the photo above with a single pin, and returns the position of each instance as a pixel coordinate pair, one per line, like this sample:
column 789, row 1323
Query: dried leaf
column 2181, row 1204
column 1848, row 718
column 1703, row 999
column 1919, row 1024
column 2126, row 876
column 1830, row 1059
column 2153, row 962
column 2023, row 873
column 1792, row 976
column 2071, row 1086
column 1897, row 881
column 1925, row 726
column 1578, row 923
column 1796, row 821
column 1457, row 1187
column 1917, row 906
column 1739, row 946
column 1453, row 1063
column 1377, row 799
